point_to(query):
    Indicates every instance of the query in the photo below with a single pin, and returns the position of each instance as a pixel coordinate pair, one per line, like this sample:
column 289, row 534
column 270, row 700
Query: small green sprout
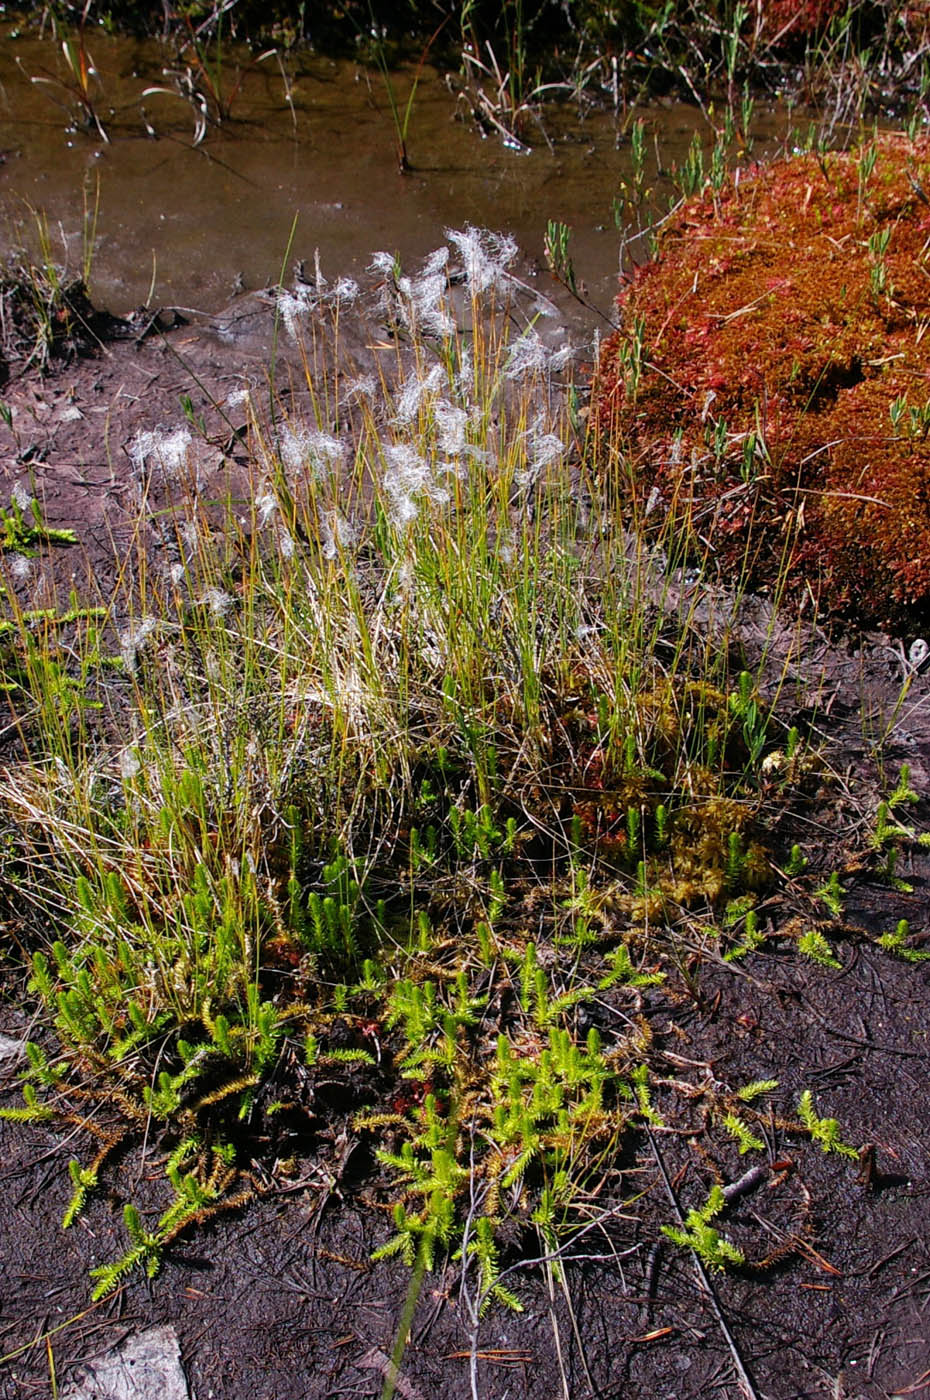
column 887, row 829
column 814, row 946
column 756, row 1089
column 831, row 894
column 640, row 1082
column 748, row 1142
column 83, row 1179
column 483, row 1248
column 699, row 1234
column 824, row 1131
column 895, row 941
column 753, row 937
column 623, row 971
column 796, row 863
column 33, row 1110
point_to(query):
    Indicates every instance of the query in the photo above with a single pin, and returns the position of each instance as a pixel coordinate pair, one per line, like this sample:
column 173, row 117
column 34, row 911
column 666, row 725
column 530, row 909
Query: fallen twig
column 746, row 1385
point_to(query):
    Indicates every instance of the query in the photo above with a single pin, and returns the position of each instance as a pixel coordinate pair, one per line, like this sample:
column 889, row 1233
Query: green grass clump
column 408, row 768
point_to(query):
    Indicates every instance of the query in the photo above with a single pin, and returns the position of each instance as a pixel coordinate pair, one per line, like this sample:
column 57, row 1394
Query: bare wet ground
column 278, row 1299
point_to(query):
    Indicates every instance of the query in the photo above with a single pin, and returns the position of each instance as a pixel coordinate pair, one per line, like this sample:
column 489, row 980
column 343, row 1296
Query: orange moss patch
column 780, row 21
column 782, row 406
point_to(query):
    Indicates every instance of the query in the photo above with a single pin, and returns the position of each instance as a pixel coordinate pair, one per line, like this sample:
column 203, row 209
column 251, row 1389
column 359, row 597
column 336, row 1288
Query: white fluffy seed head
column 527, row 355
column 265, row 506
column 191, row 535
column 336, row 534
column 415, row 390
column 385, row 264
column 365, row 387
column 560, row 359
column 408, row 477
column 20, row 568
column 345, row 292
column 326, row 452
column 436, row 262
column 169, row 450
column 218, row 602
column 134, row 639
column 485, row 255
column 541, row 449
column 427, row 294
column 293, row 307
column 129, row 764
column 309, row 449
column 21, row 497
column 451, row 422
column 546, row 448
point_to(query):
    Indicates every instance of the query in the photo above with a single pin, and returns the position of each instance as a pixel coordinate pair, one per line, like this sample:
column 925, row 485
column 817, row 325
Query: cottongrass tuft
column 345, row 292
column 336, row 534
column 19, row 567
column 303, row 448
column 486, row 257
column 415, row 389
column 418, row 303
column 436, row 262
column 530, row 355
column 134, row 639
column 190, row 535
column 364, row 387
column 168, row 449
column 451, row 422
column 266, row 505
column 384, row 264
column 128, row 764
column 542, row 449
column 408, row 476
column 21, row 497
column 295, row 307
column 428, row 313
column 217, row 601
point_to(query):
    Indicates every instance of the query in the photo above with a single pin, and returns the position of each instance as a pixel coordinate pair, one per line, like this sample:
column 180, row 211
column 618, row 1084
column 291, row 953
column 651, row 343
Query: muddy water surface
column 310, row 145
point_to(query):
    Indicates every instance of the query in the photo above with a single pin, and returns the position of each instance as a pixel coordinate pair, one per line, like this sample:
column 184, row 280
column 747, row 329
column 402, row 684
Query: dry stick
column 563, row 1283
column 746, row 1384
column 550, row 1285
column 472, row 1305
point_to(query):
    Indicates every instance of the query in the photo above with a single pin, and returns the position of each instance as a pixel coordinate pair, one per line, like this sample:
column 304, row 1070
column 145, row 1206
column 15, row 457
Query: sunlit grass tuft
column 411, row 770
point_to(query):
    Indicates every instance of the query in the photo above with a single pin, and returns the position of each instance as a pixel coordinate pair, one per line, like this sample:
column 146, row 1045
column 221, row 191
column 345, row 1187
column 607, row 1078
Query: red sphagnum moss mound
column 781, row 21
column 782, row 409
